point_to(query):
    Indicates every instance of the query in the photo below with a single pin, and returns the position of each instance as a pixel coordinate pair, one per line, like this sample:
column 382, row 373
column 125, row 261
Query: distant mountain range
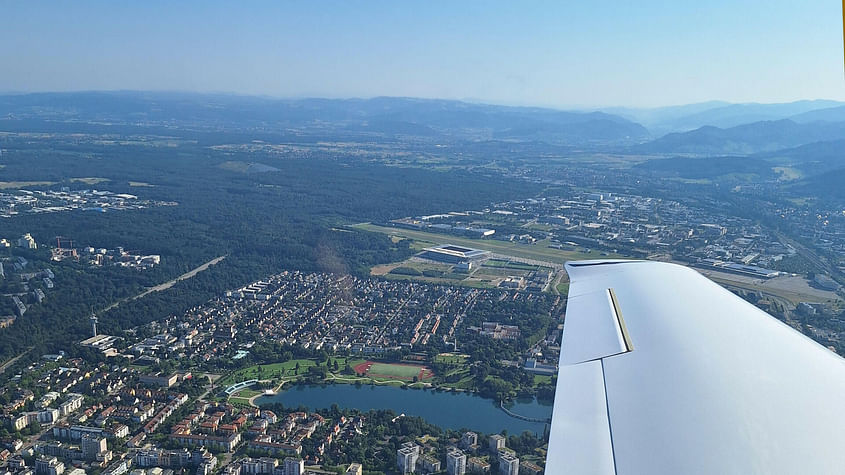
column 385, row 116
column 808, row 137
column 815, row 163
column 719, row 114
column 765, row 136
column 830, row 114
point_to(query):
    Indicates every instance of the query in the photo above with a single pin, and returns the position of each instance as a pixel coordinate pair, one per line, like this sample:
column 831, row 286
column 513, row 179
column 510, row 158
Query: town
column 322, row 312
column 755, row 261
column 124, row 408
column 17, row 202
column 185, row 392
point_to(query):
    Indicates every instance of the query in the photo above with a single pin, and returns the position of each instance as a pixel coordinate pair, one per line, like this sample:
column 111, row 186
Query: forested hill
column 766, row 136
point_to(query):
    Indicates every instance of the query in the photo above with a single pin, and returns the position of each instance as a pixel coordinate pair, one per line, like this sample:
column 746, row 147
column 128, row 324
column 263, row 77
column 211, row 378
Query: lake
column 445, row 409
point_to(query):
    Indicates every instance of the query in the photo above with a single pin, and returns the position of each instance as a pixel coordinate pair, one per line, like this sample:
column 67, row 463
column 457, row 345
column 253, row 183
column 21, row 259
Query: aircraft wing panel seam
column 609, row 420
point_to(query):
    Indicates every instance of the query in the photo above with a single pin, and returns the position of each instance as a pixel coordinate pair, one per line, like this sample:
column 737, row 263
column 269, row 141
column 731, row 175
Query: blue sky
column 559, row 54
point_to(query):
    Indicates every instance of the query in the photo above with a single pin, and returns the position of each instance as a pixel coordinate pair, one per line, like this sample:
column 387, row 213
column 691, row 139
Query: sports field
column 402, row 372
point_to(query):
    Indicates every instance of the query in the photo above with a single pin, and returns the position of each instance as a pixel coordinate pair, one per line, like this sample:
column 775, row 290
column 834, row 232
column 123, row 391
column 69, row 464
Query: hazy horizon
column 581, row 56
column 715, row 102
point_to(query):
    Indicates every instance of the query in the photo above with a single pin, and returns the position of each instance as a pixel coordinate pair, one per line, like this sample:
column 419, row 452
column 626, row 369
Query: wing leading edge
column 711, row 384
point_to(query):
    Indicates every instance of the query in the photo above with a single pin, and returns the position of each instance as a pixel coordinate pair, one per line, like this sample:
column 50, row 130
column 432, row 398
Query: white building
column 469, row 440
column 73, row 403
column 260, row 466
column 27, row 241
column 497, row 442
column 456, row 462
column 93, row 447
column 48, row 415
column 294, row 466
column 406, row 457
column 49, row 466
column 508, row 463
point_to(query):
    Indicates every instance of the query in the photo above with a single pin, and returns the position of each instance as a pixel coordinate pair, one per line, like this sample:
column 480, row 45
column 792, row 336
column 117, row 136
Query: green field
column 509, row 265
column 496, row 272
column 539, row 251
column 396, row 370
column 24, row 184
column 437, row 273
column 276, row 371
column 247, row 393
column 450, row 358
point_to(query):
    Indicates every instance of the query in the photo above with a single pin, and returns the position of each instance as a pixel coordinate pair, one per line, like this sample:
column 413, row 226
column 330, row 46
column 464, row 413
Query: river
column 445, row 409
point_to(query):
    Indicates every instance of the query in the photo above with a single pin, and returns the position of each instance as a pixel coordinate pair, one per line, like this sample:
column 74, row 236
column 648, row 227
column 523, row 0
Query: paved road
column 214, row 378
column 168, row 284
column 12, row 361
column 186, row 275
column 555, row 281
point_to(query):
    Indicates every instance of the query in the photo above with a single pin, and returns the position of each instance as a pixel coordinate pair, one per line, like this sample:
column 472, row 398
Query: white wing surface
column 664, row 372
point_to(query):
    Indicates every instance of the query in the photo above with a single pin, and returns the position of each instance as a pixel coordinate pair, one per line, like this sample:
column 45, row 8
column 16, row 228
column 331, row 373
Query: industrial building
column 453, row 254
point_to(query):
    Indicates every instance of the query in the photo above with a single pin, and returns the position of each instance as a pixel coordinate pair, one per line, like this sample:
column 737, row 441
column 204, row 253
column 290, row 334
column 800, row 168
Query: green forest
column 265, row 222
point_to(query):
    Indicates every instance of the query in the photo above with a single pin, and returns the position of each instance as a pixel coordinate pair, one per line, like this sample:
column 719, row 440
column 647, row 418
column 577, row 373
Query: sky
column 565, row 54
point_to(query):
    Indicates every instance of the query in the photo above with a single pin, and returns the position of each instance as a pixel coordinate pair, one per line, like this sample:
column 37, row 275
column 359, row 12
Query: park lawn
column 563, row 288
column 542, row 379
column 450, row 358
column 239, row 401
column 353, row 362
column 267, row 371
column 247, row 393
column 465, row 381
column 459, row 371
column 277, row 371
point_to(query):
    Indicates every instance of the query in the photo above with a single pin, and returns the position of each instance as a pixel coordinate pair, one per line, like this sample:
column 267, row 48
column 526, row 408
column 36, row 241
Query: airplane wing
column 663, row 371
